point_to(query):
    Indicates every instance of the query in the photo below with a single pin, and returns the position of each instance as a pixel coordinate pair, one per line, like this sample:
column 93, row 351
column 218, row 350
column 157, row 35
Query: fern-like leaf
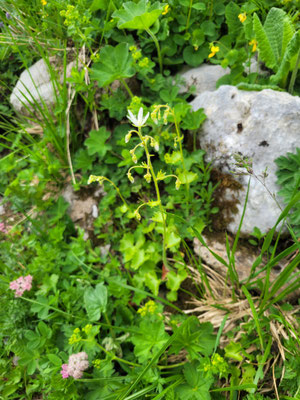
column 274, row 27
column 288, row 32
column 232, row 11
column 266, row 52
column 288, row 61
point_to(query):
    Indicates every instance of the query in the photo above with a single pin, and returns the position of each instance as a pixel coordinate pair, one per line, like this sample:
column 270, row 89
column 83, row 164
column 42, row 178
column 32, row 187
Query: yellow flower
column 166, row 9
column 253, row 43
column 242, row 17
column 43, row 2
column 214, row 50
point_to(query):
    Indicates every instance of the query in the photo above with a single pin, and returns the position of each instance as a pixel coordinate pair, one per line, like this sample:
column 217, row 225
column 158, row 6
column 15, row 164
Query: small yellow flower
column 43, row 2
column 214, row 50
column 242, row 17
column 253, row 43
column 166, row 9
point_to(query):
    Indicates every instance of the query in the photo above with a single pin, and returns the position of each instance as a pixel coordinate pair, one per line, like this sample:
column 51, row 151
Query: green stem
column 117, row 358
column 189, row 16
column 187, row 186
column 126, row 87
column 294, row 74
column 157, row 195
column 157, row 48
column 118, row 191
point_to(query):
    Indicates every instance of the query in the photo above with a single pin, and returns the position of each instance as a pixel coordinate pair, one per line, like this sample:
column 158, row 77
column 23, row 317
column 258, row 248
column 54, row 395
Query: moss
column 227, row 207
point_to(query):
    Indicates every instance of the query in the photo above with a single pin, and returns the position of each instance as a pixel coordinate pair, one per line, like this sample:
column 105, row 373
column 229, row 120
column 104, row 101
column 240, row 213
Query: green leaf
column 115, row 63
column 233, row 350
column 139, row 15
column 193, row 119
column 194, row 57
column 232, row 12
column 95, row 301
column 172, row 239
column 55, row 360
column 150, row 338
column 197, row 386
column 173, row 158
column 265, row 49
column 99, row 5
column 187, row 177
column 96, row 142
column 195, row 338
column 83, row 160
column 292, row 50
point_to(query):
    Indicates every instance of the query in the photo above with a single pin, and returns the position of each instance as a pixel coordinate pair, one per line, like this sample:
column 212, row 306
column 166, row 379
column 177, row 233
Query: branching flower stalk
column 139, row 122
column 156, row 115
column 101, row 179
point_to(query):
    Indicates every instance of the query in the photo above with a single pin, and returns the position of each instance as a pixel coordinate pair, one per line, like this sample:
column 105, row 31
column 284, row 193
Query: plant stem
column 189, row 16
column 187, row 186
column 294, row 74
column 117, row 358
column 157, row 48
column 157, row 195
column 126, row 87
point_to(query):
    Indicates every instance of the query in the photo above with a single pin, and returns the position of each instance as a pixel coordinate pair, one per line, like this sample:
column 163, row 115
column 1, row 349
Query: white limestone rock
column 34, row 86
column 204, row 78
column 259, row 125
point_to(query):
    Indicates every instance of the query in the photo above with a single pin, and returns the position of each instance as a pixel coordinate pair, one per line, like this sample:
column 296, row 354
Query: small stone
column 204, row 78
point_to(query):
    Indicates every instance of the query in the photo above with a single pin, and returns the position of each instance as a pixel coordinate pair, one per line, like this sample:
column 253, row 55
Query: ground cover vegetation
column 104, row 317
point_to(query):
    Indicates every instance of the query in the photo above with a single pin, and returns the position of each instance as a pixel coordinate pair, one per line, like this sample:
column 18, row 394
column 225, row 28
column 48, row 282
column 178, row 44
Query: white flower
column 139, row 121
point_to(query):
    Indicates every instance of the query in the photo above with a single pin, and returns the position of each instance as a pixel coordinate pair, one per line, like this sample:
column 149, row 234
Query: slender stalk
column 157, row 48
column 114, row 357
column 126, row 87
column 187, row 186
column 157, row 194
column 188, row 16
column 294, row 74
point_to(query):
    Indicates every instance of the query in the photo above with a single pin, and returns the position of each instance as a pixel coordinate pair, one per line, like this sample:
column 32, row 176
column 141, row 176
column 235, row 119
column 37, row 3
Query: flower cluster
column 21, row 284
column 217, row 365
column 242, row 17
column 2, row 228
column 149, row 308
column 77, row 363
column 166, row 9
column 213, row 50
column 253, row 43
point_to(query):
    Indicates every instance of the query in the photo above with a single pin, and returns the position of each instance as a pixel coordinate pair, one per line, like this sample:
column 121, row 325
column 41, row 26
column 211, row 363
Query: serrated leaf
column 187, row 177
column 232, row 11
column 138, row 15
column 291, row 52
column 265, row 50
column 95, row 301
column 96, row 142
column 233, row 350
column 194, row 119
column 150, row 338
column 115, row 63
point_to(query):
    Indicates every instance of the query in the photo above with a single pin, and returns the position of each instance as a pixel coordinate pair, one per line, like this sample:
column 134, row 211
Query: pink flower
column 2, row 228
column 21, row 284
column 77, row 363
column 64, row 371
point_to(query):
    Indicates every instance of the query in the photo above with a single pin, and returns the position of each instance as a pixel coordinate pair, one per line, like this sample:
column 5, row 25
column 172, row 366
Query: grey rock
column 34, row 86
column 260, row 126
column 204, row 78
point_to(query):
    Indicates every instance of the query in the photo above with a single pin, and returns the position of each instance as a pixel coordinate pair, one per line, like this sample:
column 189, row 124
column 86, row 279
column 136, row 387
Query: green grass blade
column 255, row 315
